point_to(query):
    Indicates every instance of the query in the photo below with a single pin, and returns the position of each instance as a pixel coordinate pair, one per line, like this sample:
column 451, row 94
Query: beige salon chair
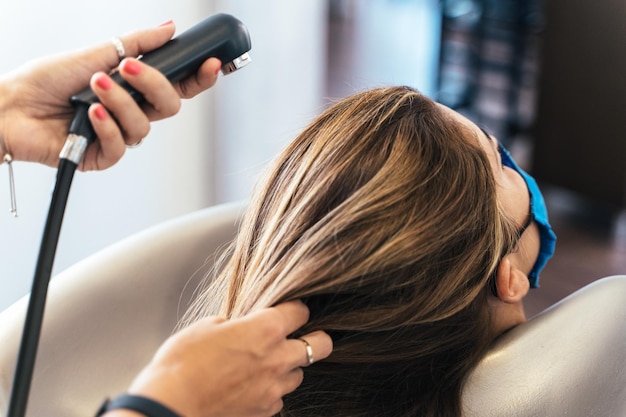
column 107, row 315
column 569, row 360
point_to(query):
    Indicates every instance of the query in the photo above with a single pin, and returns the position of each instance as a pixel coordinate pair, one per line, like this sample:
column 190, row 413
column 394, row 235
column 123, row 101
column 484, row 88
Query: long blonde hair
column 382, row 216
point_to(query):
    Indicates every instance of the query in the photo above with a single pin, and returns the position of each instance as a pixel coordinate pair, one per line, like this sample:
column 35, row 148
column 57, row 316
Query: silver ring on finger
column 134, row 145
column 119, row 47
column 309, row 352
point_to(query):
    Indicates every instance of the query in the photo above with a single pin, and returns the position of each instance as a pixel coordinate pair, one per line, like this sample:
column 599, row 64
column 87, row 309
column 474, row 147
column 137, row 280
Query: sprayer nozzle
column 236, row 64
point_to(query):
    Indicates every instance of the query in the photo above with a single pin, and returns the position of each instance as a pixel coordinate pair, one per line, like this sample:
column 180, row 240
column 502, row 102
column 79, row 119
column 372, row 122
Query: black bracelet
column 143, row 405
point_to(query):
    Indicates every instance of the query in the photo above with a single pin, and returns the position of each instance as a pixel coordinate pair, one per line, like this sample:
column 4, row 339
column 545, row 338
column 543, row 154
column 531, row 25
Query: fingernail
column 131, row 66
column 104, row 82
column 169, row 22
column 100, row 112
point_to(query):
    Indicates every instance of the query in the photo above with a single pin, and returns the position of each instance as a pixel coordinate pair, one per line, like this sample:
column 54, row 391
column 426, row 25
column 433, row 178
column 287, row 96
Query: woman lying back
column 406, row 230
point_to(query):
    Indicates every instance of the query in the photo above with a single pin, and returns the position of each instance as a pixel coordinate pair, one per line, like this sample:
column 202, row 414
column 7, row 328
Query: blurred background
column 545, row 76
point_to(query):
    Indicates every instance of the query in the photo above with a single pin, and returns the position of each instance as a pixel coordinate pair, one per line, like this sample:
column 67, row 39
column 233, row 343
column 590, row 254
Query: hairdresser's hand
column 35, row 112
column 232, row 368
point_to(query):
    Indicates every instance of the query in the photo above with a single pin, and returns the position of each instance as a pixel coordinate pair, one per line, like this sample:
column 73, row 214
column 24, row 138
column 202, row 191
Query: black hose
column 34, row 316
column 70, row 157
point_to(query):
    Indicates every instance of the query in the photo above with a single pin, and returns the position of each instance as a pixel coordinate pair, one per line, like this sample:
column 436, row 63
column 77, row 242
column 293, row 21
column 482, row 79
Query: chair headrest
column 569, row 360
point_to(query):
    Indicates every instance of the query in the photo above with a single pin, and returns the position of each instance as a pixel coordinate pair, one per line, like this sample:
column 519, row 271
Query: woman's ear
column 512, row 284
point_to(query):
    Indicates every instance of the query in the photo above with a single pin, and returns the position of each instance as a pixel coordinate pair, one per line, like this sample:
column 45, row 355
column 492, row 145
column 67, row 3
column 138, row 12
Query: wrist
column 4, row 99
column 157, row 383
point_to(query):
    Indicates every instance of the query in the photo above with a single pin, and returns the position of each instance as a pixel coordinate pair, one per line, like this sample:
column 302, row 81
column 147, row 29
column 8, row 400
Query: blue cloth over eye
column 539, row 214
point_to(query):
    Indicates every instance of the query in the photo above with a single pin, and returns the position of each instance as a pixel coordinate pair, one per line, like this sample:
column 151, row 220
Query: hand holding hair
column 241, row 367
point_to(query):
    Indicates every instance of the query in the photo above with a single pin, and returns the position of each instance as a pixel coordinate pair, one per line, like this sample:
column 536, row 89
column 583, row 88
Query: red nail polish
column 104, row 82
column 169, row 22
column 131, row 66
column 100, row 113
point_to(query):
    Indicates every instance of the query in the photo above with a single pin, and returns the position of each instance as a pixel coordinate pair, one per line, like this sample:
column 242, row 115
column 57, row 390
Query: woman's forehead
column 476, row 134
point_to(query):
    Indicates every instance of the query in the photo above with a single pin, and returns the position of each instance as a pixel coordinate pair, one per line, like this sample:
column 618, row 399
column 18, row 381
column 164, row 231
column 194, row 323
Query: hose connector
column 74, row 148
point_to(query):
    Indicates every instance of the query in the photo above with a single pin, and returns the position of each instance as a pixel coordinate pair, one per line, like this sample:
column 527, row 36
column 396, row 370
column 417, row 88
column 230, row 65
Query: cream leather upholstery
column 107, row 315
column 569, row 360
